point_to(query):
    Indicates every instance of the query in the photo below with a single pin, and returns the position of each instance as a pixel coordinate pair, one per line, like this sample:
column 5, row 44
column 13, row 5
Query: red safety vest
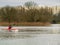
column 9, row 28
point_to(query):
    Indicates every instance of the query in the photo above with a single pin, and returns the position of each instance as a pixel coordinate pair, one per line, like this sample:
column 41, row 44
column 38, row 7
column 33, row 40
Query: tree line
column 12, row 14
column 26, row 14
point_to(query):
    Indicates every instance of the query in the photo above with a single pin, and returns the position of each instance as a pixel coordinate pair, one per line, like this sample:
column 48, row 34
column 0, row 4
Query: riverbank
column 26, row 24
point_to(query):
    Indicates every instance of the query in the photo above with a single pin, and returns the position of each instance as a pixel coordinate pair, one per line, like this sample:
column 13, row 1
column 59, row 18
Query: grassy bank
column 26, row 24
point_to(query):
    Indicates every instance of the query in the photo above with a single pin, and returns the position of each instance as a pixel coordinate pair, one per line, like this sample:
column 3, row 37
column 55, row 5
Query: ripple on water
column 23, row 34
column 12, row 35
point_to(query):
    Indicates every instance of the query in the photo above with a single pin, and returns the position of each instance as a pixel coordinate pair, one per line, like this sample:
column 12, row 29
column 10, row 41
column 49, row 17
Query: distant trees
column 46, row 14
column 8, row 14
column 13, row 14
column 57, row 18
column 21, row 14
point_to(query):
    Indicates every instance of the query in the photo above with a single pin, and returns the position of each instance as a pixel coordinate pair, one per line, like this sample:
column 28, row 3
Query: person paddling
column 9, row 28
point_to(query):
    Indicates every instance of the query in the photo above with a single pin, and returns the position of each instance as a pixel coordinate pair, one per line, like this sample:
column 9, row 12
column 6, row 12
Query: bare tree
column 30, row 4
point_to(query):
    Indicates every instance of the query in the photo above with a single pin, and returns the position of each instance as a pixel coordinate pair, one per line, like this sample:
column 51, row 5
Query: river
column 32, row 35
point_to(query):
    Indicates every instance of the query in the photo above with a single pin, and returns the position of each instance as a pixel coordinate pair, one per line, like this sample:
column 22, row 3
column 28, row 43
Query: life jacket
column 9, row 28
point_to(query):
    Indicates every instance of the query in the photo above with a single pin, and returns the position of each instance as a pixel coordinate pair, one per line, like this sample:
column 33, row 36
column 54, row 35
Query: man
column 9, row 28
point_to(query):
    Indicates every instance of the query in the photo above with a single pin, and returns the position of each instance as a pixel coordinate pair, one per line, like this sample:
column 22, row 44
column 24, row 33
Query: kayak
column 12, row 30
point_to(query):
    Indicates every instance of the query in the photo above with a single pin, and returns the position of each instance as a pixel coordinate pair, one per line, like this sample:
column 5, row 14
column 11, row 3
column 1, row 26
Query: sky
column 21, row 2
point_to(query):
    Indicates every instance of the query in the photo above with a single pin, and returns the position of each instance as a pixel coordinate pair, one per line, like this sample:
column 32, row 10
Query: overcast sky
column 21, row 2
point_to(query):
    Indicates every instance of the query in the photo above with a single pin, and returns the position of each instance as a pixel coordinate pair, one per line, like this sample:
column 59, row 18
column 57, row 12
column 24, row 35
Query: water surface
column 36, row 35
